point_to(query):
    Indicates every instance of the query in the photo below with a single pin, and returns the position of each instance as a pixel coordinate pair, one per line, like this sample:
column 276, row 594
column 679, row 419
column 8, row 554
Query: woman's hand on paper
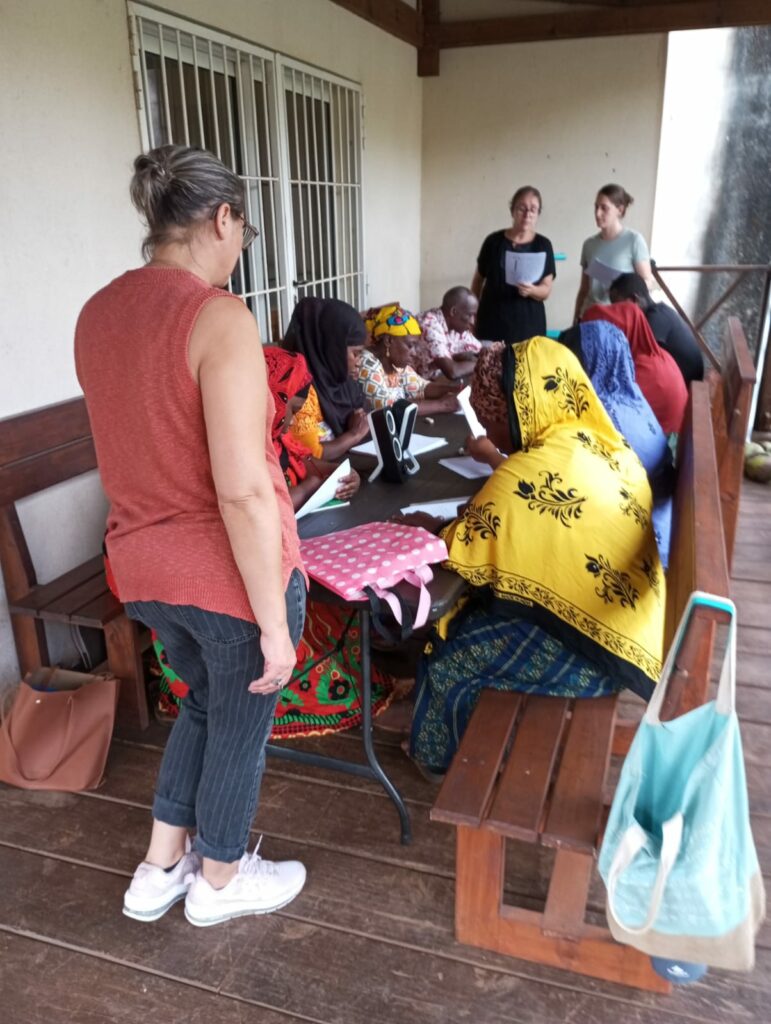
column 482, row 449
column 348, row 486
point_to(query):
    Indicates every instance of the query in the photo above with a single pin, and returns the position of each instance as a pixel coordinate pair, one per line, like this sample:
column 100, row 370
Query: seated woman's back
column 567, row 590
column 563, row 526
column 604, row 353
column 656, row 371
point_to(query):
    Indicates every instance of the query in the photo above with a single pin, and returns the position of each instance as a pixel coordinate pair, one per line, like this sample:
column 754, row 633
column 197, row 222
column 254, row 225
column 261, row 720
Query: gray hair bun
column 178, row 187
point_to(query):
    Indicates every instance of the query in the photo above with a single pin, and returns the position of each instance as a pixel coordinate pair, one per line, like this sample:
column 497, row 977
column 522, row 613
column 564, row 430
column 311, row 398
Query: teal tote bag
column 678, row 858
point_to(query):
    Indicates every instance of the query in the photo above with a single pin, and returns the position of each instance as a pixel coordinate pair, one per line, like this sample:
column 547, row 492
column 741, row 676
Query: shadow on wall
column 739, row 225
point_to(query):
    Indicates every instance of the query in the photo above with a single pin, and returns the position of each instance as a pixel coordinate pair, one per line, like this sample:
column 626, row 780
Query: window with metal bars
column 293, row 134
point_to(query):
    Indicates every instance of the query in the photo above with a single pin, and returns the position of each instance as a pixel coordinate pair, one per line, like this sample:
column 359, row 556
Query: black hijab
column 322, row 330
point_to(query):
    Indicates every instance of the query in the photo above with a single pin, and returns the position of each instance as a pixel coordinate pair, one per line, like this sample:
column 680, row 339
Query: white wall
column 69, row 130
column 565, row 116
column 69, row 135
column 691, row 136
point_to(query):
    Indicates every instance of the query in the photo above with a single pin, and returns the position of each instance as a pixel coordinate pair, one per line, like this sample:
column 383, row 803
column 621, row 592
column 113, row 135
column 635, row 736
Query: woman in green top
column 614, row 245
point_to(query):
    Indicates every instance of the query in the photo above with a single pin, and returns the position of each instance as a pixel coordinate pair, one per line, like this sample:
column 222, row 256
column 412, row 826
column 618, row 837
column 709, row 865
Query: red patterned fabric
column 287, row 375
column 656, row 371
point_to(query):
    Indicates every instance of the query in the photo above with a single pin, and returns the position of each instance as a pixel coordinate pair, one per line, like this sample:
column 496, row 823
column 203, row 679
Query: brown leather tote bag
column 57, row 732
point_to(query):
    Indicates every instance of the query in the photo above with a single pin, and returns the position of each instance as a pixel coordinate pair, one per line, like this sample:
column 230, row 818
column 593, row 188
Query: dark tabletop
column 377, row 501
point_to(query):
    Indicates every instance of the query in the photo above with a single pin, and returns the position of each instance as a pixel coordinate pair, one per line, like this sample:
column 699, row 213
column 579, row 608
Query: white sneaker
column 258, row 887
column 153, row 891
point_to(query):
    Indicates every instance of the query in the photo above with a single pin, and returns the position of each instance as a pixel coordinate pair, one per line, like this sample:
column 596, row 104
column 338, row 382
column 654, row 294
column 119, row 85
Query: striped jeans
column 212, row 767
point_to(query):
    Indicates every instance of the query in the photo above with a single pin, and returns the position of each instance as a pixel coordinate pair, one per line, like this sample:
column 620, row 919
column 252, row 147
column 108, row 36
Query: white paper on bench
column 464, row 401
column 465, row 466
column 419, row 445
column 445, row 508
column 326, row 492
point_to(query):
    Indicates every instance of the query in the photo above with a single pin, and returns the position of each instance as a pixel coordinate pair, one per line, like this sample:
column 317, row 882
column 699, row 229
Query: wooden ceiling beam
column 651, row 18
column 615, row 3
column 393, row 16
column 428, row 51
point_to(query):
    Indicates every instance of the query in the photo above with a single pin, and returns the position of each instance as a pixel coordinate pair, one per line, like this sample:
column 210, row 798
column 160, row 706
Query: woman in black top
column 513, row 312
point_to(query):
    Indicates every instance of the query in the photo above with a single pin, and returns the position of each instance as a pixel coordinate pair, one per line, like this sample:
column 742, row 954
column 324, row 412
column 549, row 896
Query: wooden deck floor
column 370, row 940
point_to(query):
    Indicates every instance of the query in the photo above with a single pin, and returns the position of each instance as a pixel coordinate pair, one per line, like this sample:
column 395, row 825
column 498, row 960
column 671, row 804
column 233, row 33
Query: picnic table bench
column 535, row 768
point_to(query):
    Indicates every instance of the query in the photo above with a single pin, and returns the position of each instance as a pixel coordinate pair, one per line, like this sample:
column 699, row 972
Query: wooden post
column 19, row 575
column 480, row 863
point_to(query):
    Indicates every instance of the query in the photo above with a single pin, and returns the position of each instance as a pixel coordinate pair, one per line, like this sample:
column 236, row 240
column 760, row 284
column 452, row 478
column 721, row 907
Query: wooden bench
column 535, row 768
column 39, row 449
column 731, row 404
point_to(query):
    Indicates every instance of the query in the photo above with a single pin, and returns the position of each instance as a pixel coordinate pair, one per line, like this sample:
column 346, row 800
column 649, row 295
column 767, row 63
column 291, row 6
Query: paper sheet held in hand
column 325, row 492
column 464, row 401
column 602, row 272
column 524, row 267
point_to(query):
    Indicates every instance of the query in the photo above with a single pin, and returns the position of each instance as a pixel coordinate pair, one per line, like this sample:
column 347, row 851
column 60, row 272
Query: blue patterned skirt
column 488, row 651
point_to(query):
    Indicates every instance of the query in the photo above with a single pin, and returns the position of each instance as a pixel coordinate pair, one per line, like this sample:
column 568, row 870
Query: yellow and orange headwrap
column 392, row 320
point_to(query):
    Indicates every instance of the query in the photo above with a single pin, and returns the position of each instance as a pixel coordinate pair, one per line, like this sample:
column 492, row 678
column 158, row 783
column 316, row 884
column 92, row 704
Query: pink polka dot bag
column 365, row 562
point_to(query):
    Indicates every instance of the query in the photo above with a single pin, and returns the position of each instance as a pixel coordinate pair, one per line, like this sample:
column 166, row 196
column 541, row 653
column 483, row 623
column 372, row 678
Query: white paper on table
column 446, row 508
column 328, row 506
column 602, row 272
column 464, row 401
column 326, row 492
column 468, row 467
column 524, row 267
column 419, row 445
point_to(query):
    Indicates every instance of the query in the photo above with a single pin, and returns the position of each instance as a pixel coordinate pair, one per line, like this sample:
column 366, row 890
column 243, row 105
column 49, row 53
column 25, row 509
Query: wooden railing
column 760, row 412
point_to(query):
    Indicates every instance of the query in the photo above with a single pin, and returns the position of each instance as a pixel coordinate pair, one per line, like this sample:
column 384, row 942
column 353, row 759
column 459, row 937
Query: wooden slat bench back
column 45, row 447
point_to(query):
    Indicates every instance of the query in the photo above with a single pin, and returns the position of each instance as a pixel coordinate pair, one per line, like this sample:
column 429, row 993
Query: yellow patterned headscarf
column 392, row 320
column 562, row 529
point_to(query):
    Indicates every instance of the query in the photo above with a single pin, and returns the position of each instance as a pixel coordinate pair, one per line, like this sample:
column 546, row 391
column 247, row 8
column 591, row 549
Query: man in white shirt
column 448, row 345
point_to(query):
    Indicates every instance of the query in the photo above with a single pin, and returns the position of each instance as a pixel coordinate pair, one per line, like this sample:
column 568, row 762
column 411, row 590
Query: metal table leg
column 366, row 725
column 373, row 769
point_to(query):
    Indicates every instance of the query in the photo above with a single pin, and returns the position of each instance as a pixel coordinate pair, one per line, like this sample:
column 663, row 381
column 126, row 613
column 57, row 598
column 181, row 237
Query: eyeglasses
column 250, row 233
column 528, row 209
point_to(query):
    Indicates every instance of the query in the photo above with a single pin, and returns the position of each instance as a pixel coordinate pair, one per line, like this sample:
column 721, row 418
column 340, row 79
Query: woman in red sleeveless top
column 201, row 533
